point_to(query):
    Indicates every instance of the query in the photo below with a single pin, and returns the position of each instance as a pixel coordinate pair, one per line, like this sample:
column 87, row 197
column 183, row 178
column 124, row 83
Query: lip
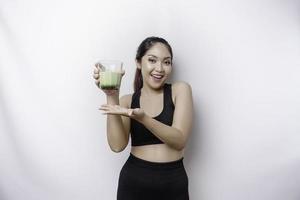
column 157, row 75
column 157, row 79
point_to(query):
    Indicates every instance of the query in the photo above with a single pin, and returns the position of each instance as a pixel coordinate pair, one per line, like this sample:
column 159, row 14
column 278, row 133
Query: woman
column 158, row 117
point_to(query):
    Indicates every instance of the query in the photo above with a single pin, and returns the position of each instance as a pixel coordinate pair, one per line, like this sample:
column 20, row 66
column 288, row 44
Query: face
column 156, row 66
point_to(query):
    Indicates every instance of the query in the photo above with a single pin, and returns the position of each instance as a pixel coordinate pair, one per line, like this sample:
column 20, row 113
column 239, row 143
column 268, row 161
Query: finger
column 135, row 111
column 130, row 112
column 96, row 71
column 96, row 76
column 108, row 107
column 122, row 72
column 110, row 113
column 103, row 109
column 97, row 65
column 104, row 113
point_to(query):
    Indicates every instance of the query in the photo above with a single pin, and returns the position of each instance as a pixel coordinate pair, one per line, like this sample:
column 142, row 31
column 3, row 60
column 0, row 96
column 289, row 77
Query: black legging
column 142, row 180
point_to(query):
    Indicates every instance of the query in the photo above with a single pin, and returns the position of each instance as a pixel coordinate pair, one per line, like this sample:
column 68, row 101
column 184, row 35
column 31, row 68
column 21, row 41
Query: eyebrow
column 157, row 57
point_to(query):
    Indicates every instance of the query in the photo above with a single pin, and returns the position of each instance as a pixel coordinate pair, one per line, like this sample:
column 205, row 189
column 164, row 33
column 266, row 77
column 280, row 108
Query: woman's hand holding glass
column 99, row 69
column 105, row 79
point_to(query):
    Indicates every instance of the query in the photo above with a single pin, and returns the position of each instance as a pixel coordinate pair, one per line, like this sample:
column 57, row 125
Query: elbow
column 180, row 144
column 179, row 147
column 117, row 149
column 118, row 145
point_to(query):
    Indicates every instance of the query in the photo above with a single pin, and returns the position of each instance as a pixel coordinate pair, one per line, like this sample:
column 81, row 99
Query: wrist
column 112, row 99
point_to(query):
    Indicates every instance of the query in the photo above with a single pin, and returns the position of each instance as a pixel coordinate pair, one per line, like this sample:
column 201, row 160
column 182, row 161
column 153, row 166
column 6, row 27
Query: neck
column 150, row 91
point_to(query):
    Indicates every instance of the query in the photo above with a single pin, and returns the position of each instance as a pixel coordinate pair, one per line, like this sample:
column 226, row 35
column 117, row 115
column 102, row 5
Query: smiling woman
column 158, row 118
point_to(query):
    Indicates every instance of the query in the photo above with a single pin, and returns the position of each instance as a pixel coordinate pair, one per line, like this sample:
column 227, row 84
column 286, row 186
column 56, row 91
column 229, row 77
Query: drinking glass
column 110, row 74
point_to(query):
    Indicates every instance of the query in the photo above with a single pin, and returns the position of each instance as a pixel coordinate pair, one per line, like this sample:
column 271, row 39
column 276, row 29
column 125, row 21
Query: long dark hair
column 141, row 51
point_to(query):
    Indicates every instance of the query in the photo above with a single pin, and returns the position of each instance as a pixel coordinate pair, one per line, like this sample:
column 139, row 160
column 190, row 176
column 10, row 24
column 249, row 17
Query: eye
column 168, row 62
column 151, row 60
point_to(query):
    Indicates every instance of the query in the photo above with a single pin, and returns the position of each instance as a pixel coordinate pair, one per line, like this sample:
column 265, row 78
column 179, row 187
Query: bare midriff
column 157, row 153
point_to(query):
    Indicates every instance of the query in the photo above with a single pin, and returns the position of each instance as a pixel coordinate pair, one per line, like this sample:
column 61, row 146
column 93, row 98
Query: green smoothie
column 110, row 80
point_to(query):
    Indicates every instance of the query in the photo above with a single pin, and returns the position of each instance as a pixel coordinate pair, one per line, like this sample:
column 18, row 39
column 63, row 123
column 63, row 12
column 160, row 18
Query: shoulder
column 181, row 86
column 125, row 100
column 181, row 90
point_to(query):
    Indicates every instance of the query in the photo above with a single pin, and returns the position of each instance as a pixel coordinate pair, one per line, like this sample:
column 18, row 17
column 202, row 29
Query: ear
column 138, row 64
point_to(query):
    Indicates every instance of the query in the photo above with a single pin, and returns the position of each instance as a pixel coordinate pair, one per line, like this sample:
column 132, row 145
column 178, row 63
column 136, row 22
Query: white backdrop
column 242, row 59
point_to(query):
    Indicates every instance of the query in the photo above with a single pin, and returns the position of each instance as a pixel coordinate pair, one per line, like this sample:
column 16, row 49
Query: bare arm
column 176, row 135
column 117, row 125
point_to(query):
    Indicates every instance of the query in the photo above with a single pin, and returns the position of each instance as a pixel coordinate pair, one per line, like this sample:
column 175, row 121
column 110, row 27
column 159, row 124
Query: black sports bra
column 140, row 135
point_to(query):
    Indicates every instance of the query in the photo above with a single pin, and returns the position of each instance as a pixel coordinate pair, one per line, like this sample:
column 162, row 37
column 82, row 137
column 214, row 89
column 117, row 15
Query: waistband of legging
column 156, row 165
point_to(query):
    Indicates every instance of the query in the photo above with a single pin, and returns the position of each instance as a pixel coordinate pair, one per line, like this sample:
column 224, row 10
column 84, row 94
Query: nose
column 159, row 67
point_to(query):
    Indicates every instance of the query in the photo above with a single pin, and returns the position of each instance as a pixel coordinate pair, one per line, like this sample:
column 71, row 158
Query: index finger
column 96, row 70
column 100, row 66
column 97, row 65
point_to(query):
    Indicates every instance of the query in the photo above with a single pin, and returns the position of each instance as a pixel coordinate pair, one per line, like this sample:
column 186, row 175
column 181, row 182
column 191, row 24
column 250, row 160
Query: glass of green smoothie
column 110, row 74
